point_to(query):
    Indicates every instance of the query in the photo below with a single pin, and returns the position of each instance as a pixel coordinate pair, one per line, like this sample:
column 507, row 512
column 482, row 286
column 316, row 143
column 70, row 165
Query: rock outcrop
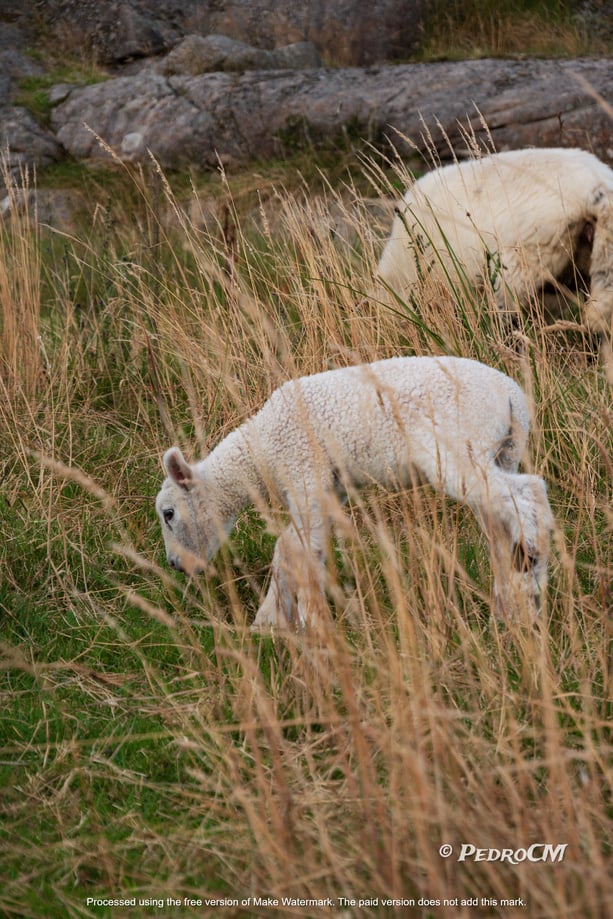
column 23, row 142
column 234, row 118
column 197, row 54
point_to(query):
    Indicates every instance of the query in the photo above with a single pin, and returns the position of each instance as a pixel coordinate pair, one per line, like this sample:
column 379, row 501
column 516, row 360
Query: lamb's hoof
column 268, row 619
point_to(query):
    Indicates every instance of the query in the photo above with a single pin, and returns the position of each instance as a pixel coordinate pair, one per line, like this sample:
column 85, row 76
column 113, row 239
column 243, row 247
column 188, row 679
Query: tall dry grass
column 21, row 360
column 154, row 747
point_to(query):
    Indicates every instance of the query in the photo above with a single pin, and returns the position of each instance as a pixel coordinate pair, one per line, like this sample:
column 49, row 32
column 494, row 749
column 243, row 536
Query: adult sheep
column 516, row 220
column 457, row 424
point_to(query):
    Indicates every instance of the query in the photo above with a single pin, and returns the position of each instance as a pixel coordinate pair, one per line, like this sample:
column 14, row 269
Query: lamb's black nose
column 175, row 563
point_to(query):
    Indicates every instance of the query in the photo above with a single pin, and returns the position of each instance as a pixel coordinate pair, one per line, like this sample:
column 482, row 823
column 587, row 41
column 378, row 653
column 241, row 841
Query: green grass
column 33, row 91
column 150, row 745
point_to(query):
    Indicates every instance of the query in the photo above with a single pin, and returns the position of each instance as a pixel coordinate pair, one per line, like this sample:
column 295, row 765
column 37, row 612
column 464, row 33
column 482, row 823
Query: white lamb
column 516, row 220
column 453, row 422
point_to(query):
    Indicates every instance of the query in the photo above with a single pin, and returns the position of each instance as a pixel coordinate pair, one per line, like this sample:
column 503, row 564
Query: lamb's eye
column 168, row 515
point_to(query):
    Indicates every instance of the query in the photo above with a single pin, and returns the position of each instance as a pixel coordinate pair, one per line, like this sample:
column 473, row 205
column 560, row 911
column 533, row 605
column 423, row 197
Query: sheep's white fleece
column 535, row 211
column 458, row 424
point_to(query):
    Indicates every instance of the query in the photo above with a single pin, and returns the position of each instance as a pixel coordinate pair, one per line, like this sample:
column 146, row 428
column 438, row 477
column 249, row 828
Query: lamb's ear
column 177, row 468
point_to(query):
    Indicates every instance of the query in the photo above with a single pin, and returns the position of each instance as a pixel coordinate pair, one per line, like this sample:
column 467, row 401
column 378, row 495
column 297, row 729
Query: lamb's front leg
column 296, row 588
column 276, row 608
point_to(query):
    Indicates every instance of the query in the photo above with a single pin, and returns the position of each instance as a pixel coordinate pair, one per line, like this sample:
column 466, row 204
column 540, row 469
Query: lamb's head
column 190, row 525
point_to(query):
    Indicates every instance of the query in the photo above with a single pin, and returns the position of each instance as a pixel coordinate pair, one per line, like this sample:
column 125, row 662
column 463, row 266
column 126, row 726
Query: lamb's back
column 372, row 419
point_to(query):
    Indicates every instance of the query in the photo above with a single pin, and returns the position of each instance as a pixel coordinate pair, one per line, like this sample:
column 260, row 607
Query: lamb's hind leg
column 517, row 519
column 297, row 583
